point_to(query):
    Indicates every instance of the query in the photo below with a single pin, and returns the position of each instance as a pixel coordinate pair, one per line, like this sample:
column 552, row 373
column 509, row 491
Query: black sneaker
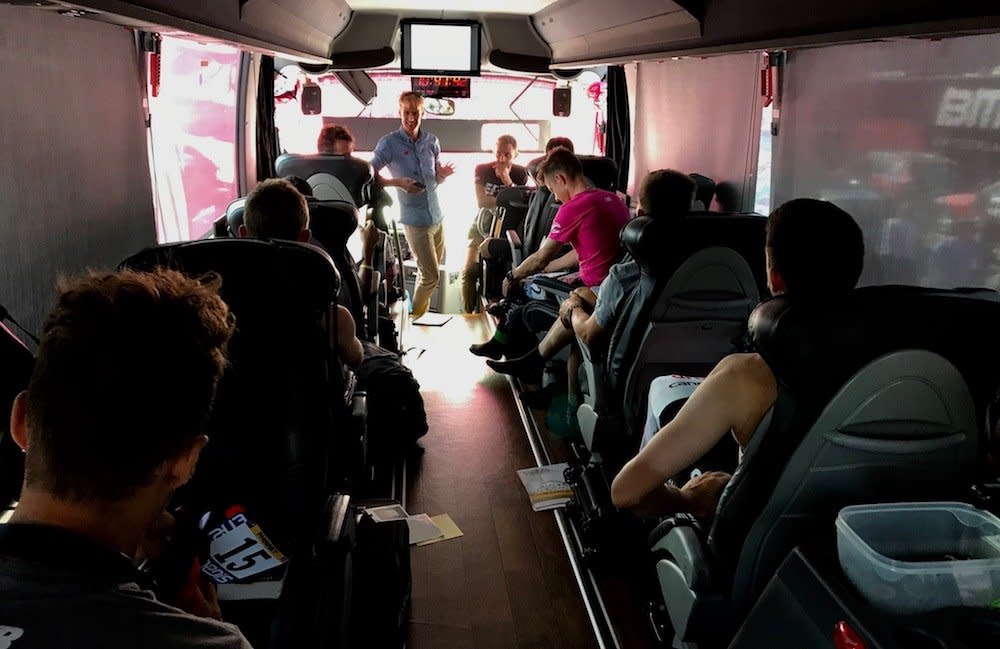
column 490, row 349
column 529, row 371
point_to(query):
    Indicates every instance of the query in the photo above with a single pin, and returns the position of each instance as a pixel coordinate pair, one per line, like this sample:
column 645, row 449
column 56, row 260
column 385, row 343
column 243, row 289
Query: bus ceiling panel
column 408, row 7
column 296, row 29
column 366, row 42
column 744, row 25
column 515, row 35
column 587, row 30
column 743, row 22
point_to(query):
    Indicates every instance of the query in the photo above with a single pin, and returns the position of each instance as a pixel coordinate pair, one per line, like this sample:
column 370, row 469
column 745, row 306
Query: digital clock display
column 442, row 87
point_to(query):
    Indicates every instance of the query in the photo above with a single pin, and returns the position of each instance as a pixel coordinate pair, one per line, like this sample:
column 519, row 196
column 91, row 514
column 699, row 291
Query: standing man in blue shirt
column 412, row 157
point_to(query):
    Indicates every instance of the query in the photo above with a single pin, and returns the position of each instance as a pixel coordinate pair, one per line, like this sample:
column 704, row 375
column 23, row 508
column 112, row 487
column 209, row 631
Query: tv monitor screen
column 440, row 47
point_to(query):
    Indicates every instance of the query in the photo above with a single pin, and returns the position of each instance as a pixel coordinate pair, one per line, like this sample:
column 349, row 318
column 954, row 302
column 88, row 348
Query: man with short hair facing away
column 490, row 179
column 412, row 156
column 112, row 424
column 812, row 248
column 276, row 210
column 335, row 140
column 663, row 194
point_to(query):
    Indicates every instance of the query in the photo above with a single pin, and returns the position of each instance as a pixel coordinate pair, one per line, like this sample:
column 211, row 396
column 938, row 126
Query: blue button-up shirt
column 416, row 159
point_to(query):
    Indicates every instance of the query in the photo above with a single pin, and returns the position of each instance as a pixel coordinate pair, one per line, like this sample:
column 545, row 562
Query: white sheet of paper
column 388, row 513
column 422, row 528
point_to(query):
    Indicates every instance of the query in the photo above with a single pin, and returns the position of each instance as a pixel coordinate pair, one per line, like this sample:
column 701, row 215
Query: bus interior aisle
column 507, row 581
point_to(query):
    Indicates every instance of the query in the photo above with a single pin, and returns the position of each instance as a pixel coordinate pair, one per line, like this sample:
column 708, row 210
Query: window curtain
column 267, row 132
column 619, row 137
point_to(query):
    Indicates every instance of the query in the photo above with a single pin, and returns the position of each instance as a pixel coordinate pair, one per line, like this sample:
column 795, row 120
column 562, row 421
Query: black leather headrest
column 813, row 346
column 704, row 189
column 301, row 274
column 515, row 197
column 354, row 173
column 332, row 223
column 660, row 245
column 601, row 171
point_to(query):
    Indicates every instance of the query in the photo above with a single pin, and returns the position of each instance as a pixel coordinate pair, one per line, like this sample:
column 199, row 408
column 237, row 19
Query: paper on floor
column 422, row 528
column 448, row 528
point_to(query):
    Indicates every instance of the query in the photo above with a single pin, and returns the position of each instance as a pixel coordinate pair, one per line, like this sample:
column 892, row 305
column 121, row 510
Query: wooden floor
column 506, row 583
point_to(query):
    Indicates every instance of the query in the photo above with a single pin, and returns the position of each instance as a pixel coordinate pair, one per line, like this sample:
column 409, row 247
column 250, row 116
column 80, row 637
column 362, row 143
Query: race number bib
column 239, row 549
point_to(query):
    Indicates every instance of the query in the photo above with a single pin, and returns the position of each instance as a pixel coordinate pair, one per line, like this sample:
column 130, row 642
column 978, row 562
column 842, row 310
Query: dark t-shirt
column 486, row 176
column 58, row 589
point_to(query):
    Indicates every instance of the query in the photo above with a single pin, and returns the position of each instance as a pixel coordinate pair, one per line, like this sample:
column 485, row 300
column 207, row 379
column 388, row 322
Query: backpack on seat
column 396, row 416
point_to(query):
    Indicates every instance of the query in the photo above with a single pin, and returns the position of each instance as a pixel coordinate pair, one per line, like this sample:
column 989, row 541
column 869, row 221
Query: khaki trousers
column 427, row 245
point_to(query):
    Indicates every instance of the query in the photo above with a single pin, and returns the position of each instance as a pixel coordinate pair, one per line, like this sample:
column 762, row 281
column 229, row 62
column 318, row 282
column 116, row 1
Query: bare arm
column 369, row 241
column 351, row 351
column 586, row 326
column 484, row 199
column 586, row 295
column 538, row 260
column 735, row 394
column 569, row 261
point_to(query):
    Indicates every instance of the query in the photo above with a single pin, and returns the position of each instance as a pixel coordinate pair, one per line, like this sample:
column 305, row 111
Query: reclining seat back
column 512, row 207
column 712, row 273
column 700, row 277
column 332, row 177
column 537, row 223
column 513, row 204
column 704, row 192
column 882, row 397
column 332, row 224
column 16, row 365
column 274, row 421
column 600, row 171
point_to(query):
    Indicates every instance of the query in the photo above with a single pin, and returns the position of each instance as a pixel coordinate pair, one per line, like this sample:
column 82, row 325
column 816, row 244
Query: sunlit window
column 193, row 132
column 762, row 199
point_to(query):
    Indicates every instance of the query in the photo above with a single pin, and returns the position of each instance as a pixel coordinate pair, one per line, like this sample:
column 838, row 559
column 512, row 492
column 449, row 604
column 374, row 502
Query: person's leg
column 437, row 232
column 424, row 248
column 557, row 337
column 470, row 275
column 529, row 365
column 573, row 364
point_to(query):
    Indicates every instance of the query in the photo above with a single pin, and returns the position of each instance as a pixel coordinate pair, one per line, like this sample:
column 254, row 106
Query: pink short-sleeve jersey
column 591, row 222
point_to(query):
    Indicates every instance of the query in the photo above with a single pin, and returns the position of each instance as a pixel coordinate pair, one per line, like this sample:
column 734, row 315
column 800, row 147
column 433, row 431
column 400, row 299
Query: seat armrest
column 680, row 537
column 336, row 531
column 514, row 239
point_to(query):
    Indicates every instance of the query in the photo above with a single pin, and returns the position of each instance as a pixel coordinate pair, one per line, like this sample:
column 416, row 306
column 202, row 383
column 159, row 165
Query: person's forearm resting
column 569, row 261
column 538, row 260
column 586, row 326
column 702, row 421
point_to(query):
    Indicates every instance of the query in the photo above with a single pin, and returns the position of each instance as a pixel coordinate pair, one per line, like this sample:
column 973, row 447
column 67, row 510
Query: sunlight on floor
column 447, row 367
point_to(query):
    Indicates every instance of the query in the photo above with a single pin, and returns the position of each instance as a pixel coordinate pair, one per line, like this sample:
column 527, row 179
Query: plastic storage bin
column 917, row 557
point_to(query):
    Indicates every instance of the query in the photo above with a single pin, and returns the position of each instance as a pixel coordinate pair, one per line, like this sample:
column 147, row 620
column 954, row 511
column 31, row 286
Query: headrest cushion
column 815, row 345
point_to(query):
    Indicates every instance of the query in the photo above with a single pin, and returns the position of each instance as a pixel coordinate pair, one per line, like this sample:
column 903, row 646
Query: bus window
column 905, row 135
column 762, row 197
column 193, row 133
